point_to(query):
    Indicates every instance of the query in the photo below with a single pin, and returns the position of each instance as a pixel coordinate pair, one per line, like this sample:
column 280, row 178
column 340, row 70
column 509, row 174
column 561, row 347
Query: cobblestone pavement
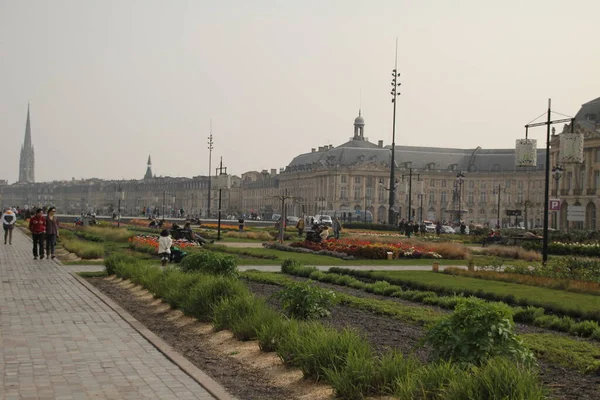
column 59, row 341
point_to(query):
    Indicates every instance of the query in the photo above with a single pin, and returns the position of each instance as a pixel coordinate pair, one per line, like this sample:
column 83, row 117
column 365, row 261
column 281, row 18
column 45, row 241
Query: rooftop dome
column 359, row 120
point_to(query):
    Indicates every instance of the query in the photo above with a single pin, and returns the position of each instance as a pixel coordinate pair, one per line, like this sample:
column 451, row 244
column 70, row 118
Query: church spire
column 149, row 169
column 26, row 162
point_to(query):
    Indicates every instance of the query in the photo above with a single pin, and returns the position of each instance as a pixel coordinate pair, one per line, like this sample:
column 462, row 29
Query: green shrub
column 585, row 328
column 315, row 349
column 499, row 378
column 210, row 263
column 178, row 285
column 304, row 300
column 271, row 333
column 428, row 382
column 355, row 379
column 475, row 332
column 233, row 309
column 294, row 267
column 248, row 326
column 562, row 324
column 527, row 314
column 209, row 292
column 391, row 367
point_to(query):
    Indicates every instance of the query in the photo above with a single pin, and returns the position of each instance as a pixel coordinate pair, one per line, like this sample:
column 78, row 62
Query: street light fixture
column 395, row 94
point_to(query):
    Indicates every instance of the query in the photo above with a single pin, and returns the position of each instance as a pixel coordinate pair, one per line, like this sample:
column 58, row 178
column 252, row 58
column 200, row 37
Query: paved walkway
column 60, row 341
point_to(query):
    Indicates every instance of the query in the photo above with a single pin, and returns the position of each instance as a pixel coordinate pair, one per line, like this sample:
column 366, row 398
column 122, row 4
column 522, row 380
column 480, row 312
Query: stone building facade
column 579, row 184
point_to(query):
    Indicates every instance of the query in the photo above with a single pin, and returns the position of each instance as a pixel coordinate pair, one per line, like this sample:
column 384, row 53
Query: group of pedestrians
column 43, row 228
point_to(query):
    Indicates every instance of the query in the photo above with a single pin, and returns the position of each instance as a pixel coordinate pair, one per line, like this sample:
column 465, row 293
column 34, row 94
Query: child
column 164, row 246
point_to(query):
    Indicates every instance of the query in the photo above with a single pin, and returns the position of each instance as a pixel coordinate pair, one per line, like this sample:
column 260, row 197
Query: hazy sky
column 110, row 82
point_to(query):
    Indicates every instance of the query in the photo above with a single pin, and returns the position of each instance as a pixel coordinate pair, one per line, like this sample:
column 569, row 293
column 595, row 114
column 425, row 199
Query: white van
column 324, row 220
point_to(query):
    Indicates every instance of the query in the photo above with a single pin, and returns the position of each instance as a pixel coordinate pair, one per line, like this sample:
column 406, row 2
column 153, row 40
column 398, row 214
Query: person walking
column 37, row 227
column 8, row 223
column 337, row 227
column 300, row 226
column 241, row 224
column 164, row 246
column 51, row 231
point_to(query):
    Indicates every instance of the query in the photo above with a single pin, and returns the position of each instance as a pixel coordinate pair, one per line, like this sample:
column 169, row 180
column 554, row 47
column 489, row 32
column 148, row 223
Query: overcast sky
column 110, row 82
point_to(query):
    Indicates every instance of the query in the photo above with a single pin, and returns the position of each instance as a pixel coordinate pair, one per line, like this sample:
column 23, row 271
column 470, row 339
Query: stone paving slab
column 60, row 341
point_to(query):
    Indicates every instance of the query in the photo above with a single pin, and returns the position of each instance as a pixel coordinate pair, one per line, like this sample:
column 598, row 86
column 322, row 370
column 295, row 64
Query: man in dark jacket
column 37, row 226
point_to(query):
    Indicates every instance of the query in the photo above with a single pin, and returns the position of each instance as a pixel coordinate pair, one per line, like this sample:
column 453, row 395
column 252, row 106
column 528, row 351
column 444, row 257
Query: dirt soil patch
column 240, row 367
column 388, row 333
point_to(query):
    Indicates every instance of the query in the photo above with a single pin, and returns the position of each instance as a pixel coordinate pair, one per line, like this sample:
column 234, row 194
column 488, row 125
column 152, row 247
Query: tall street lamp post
column 210, row 149
column 410, row 176
column 121, row 193
column 460, row 179
column 498, row 192
column 163, row 207
column 395, row 93
column 548, row 123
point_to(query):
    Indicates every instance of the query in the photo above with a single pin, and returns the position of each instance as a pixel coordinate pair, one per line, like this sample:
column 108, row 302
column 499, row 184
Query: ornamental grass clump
column 304, row 300
column 208, row 292
column 475, row 332
column 211, row 263
column 271, row 333
column 295, row 267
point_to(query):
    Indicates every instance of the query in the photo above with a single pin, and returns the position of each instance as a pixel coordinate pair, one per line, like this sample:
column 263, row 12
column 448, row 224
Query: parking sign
column 554, row 205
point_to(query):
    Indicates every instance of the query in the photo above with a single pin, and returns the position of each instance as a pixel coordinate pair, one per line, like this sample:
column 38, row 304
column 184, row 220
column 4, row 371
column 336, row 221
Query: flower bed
column 145, row 241
column 369, row 250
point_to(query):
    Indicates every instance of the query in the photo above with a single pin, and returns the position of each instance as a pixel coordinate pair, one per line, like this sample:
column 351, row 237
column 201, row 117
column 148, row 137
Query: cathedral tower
column 26, row 163
column 148, row 169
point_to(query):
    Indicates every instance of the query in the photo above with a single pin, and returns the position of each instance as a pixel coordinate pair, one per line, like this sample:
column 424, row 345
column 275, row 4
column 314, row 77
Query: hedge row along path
column 59, row 340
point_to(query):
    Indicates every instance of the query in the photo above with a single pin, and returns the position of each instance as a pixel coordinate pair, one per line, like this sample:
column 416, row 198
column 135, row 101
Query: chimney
column 273, row 171
column 313, row 150
column 380, row 143
column 331, row 146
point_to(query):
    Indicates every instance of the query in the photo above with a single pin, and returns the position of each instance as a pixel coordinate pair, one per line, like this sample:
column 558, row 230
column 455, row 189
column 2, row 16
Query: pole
column 219, row 220
column 459, row 199
column 547, row 187
column 210, row 149
column 421, row 207
column 409, row 194
column 391, row 219
column 498, row 216
column 164, row 200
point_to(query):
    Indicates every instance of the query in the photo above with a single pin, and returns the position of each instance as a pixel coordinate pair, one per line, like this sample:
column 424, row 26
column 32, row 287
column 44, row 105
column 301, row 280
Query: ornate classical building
column 579, row 184
column 27, row 160
column 354, row 178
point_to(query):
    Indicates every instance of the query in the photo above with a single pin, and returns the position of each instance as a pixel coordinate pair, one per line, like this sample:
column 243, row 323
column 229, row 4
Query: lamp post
column 498, row 192
column 210, row 149
column 392, row 190
column 557, row 172
column 163, row 207
column 548, row 123
column 121, row 193
column 394, row 92
column 460, row 179
column 410, row 176
column 421, row 195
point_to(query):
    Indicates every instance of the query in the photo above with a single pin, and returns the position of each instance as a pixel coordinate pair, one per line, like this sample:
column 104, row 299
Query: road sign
column 554, row 205
column 576, row 213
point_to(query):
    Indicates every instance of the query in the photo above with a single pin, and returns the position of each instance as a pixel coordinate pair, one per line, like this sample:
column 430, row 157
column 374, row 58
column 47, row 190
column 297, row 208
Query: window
column 520, row 185
column 471, row 184
column 569, row 179
column 443, row 183
column 357, row 193
column 470, row 198
column 357, row 180
column 483, row 197
column 444, row 197
column 507, row 197
column 596, row 179
column 582, row 178
column 520, row 197
column 483, row 185
column 431, row 197
column 597, row 155
column 370, row 181
column 507, row 185
column 344, row 178
column 381, row 195
column 343, row 193
column 369, row 193
column 432, row 183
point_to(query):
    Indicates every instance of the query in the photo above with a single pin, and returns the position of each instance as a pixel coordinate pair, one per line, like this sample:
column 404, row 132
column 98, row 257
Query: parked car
column 275, row 217
column 447, row 229
column 291, row 220
column 429, row 226
column 324, row 220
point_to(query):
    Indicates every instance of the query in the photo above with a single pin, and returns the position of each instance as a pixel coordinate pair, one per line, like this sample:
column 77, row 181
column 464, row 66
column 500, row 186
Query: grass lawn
column 550, row 299
column 245, row 255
